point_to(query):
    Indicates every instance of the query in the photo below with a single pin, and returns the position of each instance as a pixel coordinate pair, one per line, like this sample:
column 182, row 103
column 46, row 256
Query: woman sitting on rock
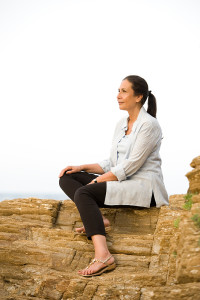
column 131, row 177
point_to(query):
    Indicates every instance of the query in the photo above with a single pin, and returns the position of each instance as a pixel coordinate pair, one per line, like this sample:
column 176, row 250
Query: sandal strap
column 92, row 262
column 98, row 260
column 103, row 261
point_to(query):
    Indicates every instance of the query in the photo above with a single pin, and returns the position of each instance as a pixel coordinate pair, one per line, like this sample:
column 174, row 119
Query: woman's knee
column 63, row 180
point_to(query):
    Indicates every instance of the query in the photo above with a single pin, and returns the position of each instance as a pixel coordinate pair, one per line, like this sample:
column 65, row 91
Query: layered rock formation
column 157, row 251
column 194, row 176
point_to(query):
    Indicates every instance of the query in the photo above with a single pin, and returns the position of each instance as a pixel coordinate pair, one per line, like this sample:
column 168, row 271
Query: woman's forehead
column 125, row 84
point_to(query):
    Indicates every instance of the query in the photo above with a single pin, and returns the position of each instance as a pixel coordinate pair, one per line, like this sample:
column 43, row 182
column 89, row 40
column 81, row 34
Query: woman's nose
column 119, row 95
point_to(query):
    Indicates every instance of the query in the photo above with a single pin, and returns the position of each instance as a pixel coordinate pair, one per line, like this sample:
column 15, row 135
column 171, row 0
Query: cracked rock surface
column 157, row 252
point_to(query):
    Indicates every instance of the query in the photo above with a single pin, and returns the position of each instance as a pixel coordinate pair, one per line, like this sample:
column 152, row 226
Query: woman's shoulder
column 149, row 120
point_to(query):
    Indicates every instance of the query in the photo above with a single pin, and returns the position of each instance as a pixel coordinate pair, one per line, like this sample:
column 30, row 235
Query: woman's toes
column 80, row 229
column 81, row 271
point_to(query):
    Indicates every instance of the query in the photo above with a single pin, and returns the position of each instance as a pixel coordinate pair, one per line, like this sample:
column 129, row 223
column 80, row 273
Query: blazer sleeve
column 146, row 141
column 105, row 165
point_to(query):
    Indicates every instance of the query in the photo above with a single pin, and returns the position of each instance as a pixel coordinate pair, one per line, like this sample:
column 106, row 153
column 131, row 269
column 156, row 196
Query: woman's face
column 126, row 98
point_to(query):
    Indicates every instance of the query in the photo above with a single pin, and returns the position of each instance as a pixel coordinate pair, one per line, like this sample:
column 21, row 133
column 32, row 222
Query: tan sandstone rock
column 194, row 176
column 157, row 251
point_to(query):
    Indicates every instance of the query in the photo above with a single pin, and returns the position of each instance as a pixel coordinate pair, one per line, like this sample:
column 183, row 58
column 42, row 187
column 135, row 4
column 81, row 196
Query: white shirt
column 122, row 146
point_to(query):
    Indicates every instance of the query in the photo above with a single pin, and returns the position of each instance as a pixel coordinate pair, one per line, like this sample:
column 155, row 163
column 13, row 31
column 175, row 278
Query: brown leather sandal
column 104, row 269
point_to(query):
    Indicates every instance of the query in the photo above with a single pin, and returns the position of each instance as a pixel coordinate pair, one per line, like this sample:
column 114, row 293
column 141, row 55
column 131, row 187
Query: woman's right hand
column 70, row 169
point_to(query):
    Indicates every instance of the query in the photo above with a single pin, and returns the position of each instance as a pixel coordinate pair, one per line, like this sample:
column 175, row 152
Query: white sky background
column 61, row 64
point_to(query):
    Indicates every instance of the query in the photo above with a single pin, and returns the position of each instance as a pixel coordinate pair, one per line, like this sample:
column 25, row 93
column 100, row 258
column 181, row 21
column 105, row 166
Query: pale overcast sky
column 61, row 64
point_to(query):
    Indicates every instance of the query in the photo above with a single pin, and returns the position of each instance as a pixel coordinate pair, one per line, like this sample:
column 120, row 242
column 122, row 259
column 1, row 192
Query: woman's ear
column 139, row 98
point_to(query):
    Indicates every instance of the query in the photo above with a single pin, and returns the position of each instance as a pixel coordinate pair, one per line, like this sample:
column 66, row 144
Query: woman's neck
column 133, row 114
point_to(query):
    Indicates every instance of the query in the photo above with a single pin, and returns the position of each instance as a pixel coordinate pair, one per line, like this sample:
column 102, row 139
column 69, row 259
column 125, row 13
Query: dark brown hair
column 140, row 87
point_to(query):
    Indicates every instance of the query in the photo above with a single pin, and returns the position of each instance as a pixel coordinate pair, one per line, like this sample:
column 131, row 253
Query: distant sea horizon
column 15, row 195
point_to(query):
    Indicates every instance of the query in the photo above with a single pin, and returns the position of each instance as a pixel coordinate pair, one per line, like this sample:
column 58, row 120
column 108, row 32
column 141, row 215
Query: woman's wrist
column 84, row 168
column 109, row 176
column 100, row 178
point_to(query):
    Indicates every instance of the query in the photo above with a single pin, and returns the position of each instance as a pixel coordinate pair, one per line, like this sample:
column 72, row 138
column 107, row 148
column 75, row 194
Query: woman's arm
column 109, row 176
column 90, row 168
column 95, row 168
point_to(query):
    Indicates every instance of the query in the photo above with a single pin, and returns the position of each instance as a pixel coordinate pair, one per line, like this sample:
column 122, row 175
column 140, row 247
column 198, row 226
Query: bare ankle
column 102, row 254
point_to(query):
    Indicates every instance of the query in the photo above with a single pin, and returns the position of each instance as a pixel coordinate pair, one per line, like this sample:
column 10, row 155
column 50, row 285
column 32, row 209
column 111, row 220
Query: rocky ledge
column 157, row 250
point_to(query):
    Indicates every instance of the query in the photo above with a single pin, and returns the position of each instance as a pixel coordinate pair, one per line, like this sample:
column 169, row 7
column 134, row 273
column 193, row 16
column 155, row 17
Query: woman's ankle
column 103, row 254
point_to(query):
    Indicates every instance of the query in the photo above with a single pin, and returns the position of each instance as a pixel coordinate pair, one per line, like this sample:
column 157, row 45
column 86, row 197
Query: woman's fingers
column 70, row 170
column 64, row 170
column 61, row 173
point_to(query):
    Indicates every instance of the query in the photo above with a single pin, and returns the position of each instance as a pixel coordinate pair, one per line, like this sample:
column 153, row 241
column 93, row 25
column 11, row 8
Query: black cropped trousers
column 88, row 199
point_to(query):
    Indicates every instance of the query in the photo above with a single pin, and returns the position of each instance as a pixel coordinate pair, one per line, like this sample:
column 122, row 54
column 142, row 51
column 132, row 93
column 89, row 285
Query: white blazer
column 139, row 174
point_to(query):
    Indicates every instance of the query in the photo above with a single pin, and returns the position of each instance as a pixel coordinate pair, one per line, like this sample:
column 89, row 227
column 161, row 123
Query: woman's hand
column 70, row 169
column 91, row 182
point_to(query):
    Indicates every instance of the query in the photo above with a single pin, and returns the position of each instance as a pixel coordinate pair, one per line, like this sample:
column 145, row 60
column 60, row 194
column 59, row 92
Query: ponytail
column 152, row 107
